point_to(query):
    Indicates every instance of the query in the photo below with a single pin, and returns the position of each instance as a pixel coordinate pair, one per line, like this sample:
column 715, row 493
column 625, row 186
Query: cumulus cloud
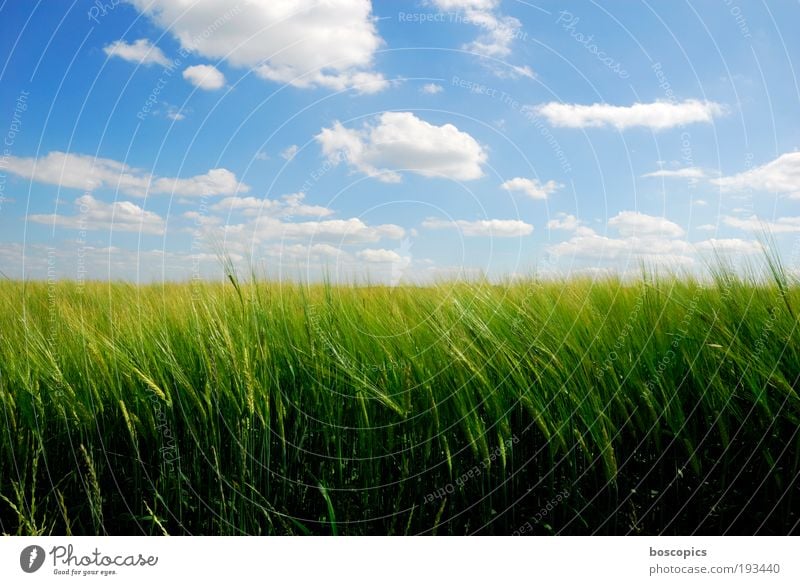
column 635, row 223
column 288, row 205
column 564, row 221
column 644, row 238
column 289, row 152
column 399, row 141
column 93, row 214
column 431, row 88
column 345, row 231
column 379, row 256
column 306, row 252
column 656, row 115
column 498, row 228
column 141, row 51
column 782, row 225
column 781, row 175
column 70, row 259
column 174, row 113
column 205, row 77
column 498, row 31
column 82, row 171
column 304, row 43
column 531, row 187
column 733, row 246
column 569, row 223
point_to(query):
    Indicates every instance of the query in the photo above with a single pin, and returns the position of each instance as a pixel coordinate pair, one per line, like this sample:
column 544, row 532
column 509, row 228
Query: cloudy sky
column 395, row 141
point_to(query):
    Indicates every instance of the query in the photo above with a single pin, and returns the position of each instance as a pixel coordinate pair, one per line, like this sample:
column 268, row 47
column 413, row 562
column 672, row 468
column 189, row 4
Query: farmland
column 659, row 405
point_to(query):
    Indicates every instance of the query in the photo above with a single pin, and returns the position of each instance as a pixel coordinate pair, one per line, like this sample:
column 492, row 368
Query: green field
column 660, row 405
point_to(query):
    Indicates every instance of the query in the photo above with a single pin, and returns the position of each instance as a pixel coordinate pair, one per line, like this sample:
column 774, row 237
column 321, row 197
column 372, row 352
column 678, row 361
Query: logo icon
column 401, row 262
column 31, row 558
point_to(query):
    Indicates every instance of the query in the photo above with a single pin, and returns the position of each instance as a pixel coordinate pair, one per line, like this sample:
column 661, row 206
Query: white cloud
column 73, row 259
column 707, row 227
column 782, row 225
column 305, row 43
column 655, row 115
column 635, row 223
column 399, row 141
column 499, row 228
column 141, row 51
column 289, row 152
column 175, row 113
column 92, row 214
column 730, row 246
column 652, row 250
column 685, row 173
column 214, row 182
column 306, row 252
column 643, row 238
column 379, row 255
column 532, row 187
column 81, row 171
column 498, row 31
column 205, row 77
column 564, row 221
column 351, row 230
column 288, row 205
column 431, row 88
column 700, row 202
column 781, row 175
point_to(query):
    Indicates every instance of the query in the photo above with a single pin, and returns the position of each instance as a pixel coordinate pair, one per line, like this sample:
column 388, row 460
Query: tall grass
column 663, row 405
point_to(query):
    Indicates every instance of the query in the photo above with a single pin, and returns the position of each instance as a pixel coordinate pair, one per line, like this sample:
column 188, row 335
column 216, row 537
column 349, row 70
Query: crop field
column 650, row 406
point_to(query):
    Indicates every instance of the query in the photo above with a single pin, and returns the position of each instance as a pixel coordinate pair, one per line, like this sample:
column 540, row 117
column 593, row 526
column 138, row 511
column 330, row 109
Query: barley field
column 659, row 405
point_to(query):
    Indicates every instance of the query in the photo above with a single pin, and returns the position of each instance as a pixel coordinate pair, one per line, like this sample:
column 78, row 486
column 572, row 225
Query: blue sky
column 399, row 141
